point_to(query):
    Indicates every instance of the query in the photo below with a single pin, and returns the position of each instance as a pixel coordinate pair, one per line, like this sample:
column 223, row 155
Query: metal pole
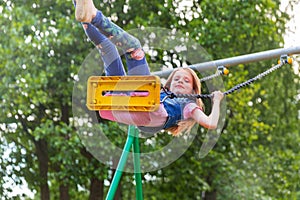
column 137, row 166
column 118, row 174
column 254, row 57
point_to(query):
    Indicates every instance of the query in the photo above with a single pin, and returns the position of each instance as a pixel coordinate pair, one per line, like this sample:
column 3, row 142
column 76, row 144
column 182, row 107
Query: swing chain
column 221, row 70
column 194, row 96
column 284, row 59
column 171, row 95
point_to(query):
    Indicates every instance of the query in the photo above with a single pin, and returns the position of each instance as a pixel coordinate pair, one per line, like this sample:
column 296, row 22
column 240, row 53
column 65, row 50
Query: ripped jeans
column 106, row 36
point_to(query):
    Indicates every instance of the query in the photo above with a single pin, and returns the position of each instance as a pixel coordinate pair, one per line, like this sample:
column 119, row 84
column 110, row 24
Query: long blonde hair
column 185, row 126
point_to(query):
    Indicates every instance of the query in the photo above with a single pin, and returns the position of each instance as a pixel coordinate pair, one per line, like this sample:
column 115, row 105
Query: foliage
column 256, row 157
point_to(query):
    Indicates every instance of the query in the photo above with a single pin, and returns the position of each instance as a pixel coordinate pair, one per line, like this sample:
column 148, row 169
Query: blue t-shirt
column 174, row 108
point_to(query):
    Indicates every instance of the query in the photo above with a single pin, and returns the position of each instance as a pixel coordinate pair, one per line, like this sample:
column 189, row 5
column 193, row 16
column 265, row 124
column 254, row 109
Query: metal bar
column 254, row 57
column 137, row 166
column 118, row 174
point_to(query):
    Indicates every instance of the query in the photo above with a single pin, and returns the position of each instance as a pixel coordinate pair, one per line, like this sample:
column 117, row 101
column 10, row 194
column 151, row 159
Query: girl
column 176, row 115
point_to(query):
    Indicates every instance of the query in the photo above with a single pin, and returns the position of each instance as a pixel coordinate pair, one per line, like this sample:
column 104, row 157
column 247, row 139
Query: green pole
column 118, row 174
column 137, row 166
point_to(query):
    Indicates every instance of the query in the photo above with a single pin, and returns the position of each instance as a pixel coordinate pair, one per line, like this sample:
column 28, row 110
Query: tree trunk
column 97, row 185
column 64, row 192
column 210, row 195
column 118, row 194
column 65, row 113
column 96, row 189
column 43, row 159
column 64, row 188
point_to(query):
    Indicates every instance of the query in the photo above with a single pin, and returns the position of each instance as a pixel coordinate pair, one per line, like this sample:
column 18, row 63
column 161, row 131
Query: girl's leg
column 137, row 66
column 135, row 56
column 110, row 56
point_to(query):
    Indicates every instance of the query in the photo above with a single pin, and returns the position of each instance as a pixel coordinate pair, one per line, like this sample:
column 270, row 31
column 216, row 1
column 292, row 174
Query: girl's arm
column 210, row 121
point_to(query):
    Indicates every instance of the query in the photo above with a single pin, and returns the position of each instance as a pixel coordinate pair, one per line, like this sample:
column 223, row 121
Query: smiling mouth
column 179, row 86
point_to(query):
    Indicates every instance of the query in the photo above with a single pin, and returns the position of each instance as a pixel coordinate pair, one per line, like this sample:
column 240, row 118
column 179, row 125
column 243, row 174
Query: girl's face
column 182, row 82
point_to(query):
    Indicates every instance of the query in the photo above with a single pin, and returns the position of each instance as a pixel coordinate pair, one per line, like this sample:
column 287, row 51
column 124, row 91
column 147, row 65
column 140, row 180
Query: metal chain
column 221, row 70
column 237, row 87
column 218, row 73
column 259, row 76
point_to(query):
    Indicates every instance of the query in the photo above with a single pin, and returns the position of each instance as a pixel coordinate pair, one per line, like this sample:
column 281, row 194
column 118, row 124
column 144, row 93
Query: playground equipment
column 141, row 93
column 243, row 59
column 130, row 93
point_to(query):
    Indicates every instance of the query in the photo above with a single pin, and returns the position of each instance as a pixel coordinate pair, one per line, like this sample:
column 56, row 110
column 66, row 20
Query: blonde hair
column 185, row 126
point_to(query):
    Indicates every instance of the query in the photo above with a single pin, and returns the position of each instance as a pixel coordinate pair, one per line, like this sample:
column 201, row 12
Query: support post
column 131, row 142
column 137, row 166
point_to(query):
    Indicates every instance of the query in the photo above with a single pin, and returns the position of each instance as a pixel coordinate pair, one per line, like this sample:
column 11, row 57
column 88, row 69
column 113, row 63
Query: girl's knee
column 134, row 49
column 129, row 44
column 85, row 25
column 136, row 54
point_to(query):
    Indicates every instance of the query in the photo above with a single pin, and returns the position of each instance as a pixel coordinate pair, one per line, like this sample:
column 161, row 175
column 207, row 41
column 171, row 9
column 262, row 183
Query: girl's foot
column 85, row 10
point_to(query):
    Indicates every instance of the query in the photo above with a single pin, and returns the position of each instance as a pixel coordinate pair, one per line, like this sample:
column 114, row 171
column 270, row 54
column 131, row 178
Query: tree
column 256, row 156
column 36, row 96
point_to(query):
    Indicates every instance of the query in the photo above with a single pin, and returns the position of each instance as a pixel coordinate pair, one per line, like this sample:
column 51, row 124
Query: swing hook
column 285, row 59
column 223, row 70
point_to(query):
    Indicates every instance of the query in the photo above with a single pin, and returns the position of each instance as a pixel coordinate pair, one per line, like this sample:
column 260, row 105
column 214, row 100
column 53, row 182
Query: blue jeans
column 106, row 36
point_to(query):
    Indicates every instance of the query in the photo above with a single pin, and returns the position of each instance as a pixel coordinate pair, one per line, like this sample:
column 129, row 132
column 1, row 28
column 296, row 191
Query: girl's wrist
column 216, row 100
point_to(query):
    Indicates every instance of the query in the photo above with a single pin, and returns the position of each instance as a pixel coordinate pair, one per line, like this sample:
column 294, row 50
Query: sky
column 292, row 38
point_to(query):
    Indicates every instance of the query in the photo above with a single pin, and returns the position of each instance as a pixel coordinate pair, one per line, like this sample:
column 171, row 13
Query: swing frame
column 132, row 141
column 125, row 93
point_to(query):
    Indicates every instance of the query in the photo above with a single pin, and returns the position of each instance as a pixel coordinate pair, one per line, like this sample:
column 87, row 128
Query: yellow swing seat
column 123, row 93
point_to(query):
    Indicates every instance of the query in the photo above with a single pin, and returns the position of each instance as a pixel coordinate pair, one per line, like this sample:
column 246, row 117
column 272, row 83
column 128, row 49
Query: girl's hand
column 217, row 96
column 210, row 121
